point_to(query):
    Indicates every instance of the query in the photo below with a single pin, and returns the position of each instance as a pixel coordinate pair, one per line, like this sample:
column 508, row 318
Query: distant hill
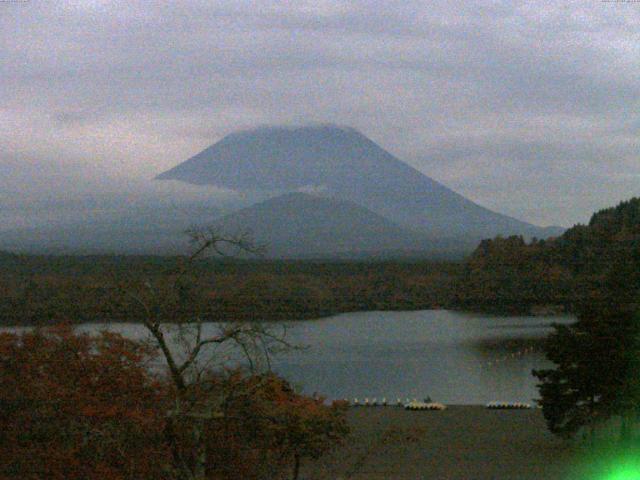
column 301, row 225
column 148, row 229
column 343, row 163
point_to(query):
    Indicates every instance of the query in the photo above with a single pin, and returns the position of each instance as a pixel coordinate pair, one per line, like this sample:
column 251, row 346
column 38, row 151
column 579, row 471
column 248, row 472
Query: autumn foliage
column 77, row 407
column 271, row 429
column 74, row 406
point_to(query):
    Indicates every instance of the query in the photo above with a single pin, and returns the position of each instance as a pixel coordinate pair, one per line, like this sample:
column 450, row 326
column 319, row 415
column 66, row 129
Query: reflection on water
column 455, row 358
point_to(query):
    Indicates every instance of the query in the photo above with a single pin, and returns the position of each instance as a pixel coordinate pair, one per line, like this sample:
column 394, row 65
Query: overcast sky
column 529, row 108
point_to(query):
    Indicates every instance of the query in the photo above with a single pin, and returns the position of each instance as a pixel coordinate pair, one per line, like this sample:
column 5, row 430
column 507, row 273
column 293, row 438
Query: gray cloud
column 530, row 109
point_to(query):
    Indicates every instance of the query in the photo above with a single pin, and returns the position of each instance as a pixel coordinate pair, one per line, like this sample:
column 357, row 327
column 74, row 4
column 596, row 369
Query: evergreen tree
column 597, row 373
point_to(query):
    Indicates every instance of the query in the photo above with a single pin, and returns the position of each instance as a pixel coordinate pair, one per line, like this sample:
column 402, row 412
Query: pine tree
column 597, row 373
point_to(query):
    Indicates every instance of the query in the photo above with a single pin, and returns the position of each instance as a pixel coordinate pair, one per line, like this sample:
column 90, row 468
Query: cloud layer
column 531, row 109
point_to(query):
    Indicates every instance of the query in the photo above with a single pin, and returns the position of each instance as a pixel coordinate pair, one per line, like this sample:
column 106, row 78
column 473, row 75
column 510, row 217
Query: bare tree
column 191, row 353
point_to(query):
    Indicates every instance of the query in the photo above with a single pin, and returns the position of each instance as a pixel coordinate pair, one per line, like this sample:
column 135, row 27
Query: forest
column 75, row 289
column 512, row 275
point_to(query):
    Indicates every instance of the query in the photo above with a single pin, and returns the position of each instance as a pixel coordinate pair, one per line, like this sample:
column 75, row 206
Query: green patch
column 608, row 463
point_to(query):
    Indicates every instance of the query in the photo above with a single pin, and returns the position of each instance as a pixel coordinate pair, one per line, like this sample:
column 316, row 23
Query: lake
column 453, row 357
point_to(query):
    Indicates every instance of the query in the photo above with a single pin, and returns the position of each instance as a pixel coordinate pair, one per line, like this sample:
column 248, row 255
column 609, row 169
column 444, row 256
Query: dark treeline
column 509, row 274
column 75, row 289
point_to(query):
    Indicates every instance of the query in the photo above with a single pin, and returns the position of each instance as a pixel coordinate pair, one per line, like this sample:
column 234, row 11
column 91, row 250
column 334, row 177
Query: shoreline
column 311, row 317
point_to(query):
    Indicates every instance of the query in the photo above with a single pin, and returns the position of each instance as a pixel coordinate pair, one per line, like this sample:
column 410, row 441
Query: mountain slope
column 297, row 225
column 345, row 164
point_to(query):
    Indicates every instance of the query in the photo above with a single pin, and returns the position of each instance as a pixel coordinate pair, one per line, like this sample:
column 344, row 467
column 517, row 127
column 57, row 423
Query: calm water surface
column 453, row 357
column 450, row 356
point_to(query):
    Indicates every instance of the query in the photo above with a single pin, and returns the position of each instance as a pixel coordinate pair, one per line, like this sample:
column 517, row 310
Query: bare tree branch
column 199, row 396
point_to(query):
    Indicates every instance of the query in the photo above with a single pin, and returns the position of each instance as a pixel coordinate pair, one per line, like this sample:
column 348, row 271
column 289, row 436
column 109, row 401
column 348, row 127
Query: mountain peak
column 347, row 165
column 327, row 128
column 284, row 158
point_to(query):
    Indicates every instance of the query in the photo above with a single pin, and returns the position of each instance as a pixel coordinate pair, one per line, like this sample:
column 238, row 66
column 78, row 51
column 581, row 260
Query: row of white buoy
column 507, row 405
column 374, row 402
column 429, row 405
column 369, row 403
